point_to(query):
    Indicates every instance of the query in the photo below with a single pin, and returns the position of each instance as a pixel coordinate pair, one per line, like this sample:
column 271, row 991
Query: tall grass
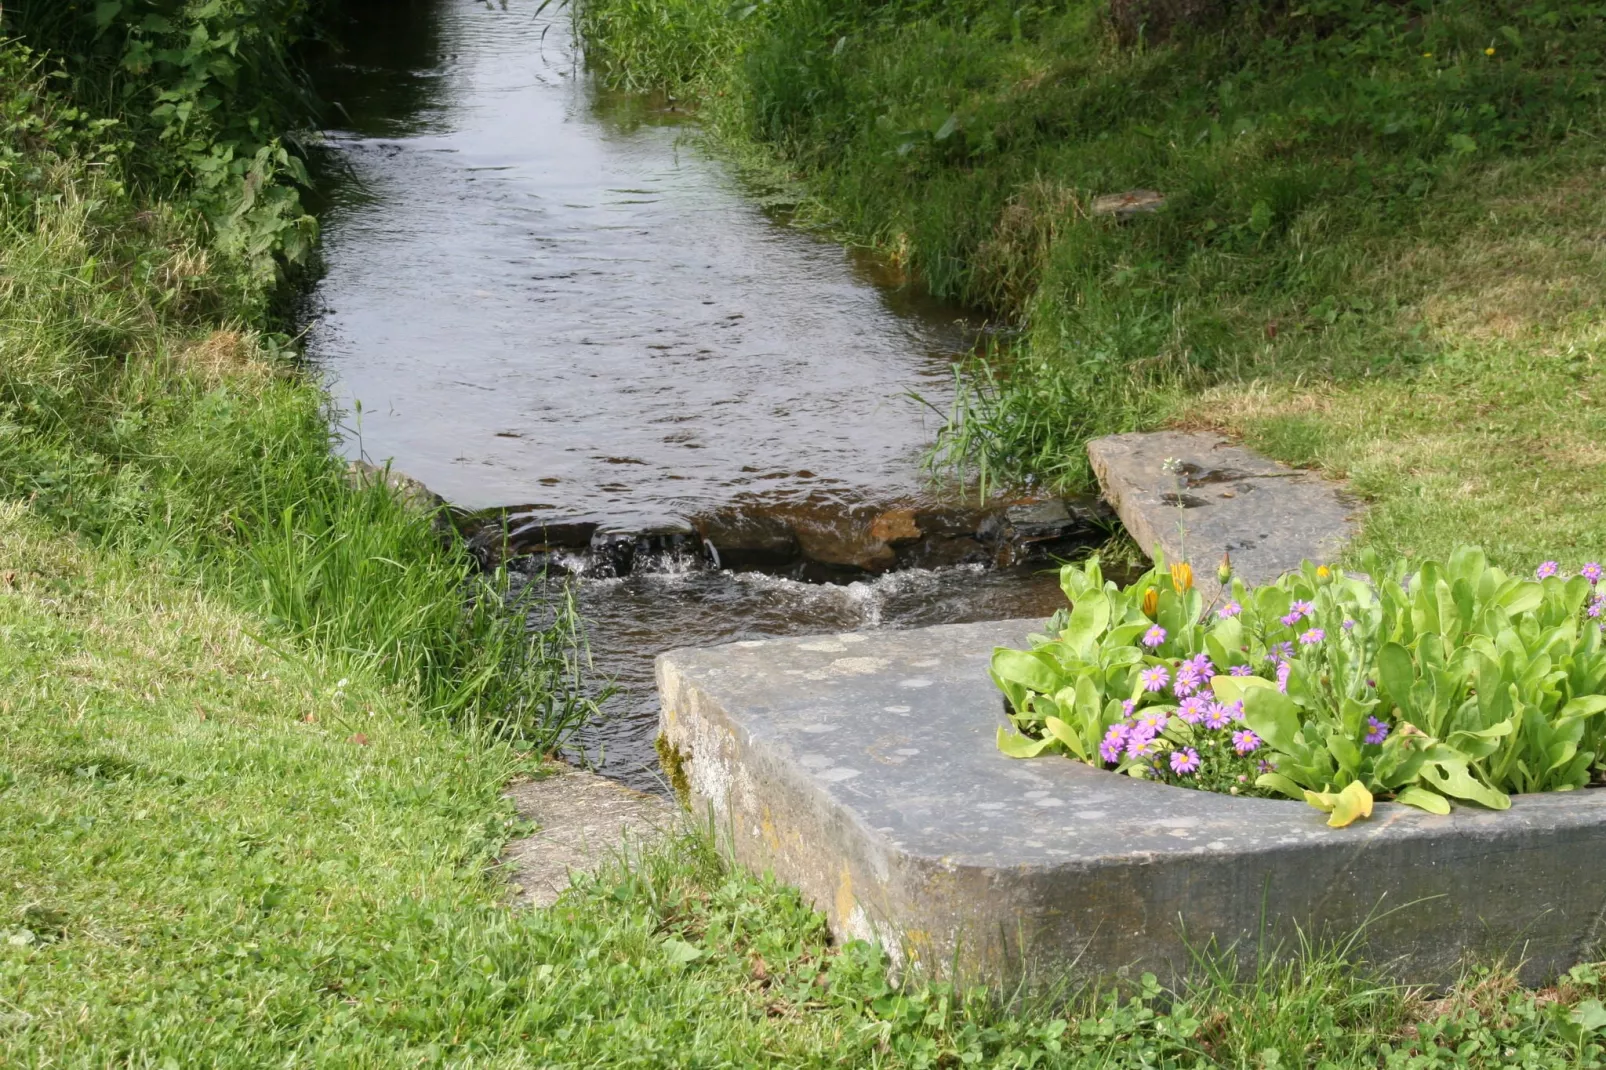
column 142, row 407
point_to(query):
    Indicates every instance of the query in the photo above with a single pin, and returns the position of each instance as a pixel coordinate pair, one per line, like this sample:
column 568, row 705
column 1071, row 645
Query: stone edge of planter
column 862, row 769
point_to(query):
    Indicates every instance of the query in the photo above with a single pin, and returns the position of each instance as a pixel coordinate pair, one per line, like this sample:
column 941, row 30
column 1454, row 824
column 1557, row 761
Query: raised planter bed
column 862, row 768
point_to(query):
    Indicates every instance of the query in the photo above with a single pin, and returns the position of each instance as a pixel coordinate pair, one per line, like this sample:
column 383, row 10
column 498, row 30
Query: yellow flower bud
column 1151, row 602
column 1488, row 52
column 1182, row 576
column 1323, row 572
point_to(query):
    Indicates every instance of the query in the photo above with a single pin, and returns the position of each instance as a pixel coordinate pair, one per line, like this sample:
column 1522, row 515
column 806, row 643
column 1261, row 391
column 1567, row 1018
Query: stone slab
column 585, row 821
column 862, row 768
column 1220, row 498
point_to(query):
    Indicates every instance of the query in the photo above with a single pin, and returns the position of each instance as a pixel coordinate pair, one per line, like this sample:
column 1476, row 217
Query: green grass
column 1377, row 231
column 219, row 855
column 255, row 723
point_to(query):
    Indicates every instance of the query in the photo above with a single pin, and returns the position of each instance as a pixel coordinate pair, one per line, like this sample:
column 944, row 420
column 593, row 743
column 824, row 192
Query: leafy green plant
column 1455, row 682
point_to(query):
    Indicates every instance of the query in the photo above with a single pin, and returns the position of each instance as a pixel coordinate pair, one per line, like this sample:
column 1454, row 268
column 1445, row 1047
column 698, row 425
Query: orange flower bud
column 1151, row 602
column 1182, row 576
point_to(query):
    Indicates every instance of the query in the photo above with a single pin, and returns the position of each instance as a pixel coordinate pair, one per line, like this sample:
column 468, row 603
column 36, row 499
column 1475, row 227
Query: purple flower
column 1154, row 678
column 1236, row 710
column 1284, row 670
column 1291, row 620
column 1546, row 570
column 1202, row 665
column 1231, row 609
column 1302, row 608
column 1154, row 636
column 1187, row 683
column 1142, row 748
column 1377, row 731
column 1265, row 766
column 1597, row 607
column 1151, row 723
column 1184, row 761
column 1217, row 717
column 1349, row 625
column 1279, row 651
column 1245, row 742
column 1193, row 709
column 1241, row 670
column 1128, row 705
column 1592, row 572
column 1312, row 637
column 1113, row 744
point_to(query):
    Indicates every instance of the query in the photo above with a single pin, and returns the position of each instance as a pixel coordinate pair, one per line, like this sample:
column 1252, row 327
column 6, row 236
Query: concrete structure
column 1196, row 495
column 863, row 769
column 583, row 821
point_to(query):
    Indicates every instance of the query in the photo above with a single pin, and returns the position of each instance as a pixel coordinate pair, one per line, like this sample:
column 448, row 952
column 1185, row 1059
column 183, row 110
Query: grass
column 257, row 720
column 1378, row 254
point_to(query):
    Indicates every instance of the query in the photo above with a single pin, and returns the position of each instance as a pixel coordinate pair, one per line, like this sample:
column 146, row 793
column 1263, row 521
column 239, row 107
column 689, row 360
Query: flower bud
column 1182, row 576
column 1151, row 602
column 1224, row 570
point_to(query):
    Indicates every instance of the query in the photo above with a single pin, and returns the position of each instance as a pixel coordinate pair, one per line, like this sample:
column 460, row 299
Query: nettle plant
column 1454, row 682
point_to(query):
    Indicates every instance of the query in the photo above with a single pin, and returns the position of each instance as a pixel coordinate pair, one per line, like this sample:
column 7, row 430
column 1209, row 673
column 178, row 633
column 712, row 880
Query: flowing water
column 544, row 297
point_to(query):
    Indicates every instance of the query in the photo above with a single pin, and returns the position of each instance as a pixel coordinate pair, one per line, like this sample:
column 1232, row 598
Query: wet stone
column 1181, row 490
column 863, row 769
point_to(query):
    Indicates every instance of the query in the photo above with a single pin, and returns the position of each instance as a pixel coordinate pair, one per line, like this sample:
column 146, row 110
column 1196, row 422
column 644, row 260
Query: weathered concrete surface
column 1220, row 498
column 863, row 769
column 584, row 822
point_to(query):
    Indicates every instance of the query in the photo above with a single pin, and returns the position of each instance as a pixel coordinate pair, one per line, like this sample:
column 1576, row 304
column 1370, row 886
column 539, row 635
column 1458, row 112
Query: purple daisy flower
column 1154, row 678
column 1245, row 742
column 1349, row 625
column 1184, row 761
column 1113, row 744
column 1546, row 570
column 1231, row 609
column 1312, row 637
column 1236, row 710
column 1142, row 748
column 1203, row 665
column 1241, row 670
column 1284, row 670
column 1153, row 723
column 1597, row 607
column 1280, row 651
column 1193, row 709
column 1592, row 572
column 1290, row 620
column 1217, row 717
column 1128, row 705
column 1265, row 767
column 1377, row 731
column 1154, row 636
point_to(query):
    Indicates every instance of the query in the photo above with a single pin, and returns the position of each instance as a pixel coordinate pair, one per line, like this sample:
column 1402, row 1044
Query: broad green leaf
column 1587, row 706
column 1589, row 1016
column 1453, row 778
column 1027, row 669
column 1345, row 752
column 1229, row 689
column 1396, row 673
column 1423, row 799
column 1015, row 745
column 1272, row 715
column 1089, row 619
column 1066, row 735
column 1278, row 782
column 1521, row 597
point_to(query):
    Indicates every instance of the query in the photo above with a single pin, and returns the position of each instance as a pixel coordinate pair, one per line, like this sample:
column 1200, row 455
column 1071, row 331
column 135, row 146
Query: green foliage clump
column 1455, row 681
column 202, row 93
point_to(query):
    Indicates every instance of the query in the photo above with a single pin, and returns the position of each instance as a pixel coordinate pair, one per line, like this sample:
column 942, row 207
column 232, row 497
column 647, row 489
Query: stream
column 548, row 300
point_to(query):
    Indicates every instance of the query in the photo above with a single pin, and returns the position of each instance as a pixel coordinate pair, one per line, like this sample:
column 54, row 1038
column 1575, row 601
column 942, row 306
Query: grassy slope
column 1380, row 253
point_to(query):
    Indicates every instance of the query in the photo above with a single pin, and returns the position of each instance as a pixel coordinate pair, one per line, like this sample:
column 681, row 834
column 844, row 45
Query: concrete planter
column 862, row 768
